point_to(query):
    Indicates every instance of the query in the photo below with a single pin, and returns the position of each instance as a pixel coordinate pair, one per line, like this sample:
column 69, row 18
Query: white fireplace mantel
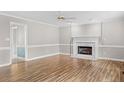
column 92, row 42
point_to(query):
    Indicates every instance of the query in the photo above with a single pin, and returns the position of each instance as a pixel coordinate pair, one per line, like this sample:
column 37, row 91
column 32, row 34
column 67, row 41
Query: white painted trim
column 107, row 46
column 11, row 39
column 48, row 45
column 21, row 58
column 113, row 59
column 12, row 22
column 64, row 53
column 5, row 64
column 4, row 48
column 26, row 41
column 85, row 36
column 10, row 58
column 26, row 19
column 42, row 56
column 66, row 44
column 105, row 58
column 111, row 46
column 42, row 45
column 104, row 46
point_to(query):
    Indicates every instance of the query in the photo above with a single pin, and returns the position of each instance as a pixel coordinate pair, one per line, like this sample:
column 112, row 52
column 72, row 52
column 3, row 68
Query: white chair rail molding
column 61, row 46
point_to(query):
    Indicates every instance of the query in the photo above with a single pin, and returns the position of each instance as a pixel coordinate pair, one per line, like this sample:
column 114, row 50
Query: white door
column 14, row 43
column 18, row 41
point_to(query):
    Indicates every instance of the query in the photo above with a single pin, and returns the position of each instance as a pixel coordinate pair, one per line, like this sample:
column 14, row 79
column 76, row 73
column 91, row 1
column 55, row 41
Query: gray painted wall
column 42, row 51
column 112, row 34
column 4, row 31
column 86, row 30
column 65, row 35
column 38, row 34
column 4, row 57
column 43, row 34
column 4, row 35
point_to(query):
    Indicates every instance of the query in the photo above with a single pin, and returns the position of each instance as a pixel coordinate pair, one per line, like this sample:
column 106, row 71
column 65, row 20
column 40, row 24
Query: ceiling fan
column 65, row 18
column 61, row 17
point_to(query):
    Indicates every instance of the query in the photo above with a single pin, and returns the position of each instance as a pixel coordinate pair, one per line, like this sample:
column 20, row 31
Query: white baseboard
column 42, row 56
column 64, row 53
column 5, row 64
column 105, row 58
column 20, row 58
column 113, row 59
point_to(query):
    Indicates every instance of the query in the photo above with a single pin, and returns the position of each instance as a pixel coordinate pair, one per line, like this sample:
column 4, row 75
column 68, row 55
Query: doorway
column 18, row 42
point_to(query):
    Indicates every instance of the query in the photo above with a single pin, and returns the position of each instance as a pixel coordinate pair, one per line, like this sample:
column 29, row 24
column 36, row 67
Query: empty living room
column 61, row 46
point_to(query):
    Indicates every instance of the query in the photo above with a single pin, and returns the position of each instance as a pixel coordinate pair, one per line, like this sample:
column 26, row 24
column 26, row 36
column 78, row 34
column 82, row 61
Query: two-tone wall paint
column 42, row 38
column 45, row 39
column 111, row 37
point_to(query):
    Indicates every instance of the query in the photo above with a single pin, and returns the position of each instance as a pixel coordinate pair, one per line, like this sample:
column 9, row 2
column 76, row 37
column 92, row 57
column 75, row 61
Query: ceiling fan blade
column 70, row 18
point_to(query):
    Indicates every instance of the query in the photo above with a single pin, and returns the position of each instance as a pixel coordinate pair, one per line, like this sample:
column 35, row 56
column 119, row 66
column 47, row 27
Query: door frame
column 11, row 40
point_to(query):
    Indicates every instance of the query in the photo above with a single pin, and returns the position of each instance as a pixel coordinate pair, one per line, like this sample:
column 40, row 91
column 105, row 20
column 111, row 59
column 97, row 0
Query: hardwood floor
column 63, row 68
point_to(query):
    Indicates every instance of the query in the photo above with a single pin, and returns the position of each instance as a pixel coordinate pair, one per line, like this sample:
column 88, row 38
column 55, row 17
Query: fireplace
column 86, row 50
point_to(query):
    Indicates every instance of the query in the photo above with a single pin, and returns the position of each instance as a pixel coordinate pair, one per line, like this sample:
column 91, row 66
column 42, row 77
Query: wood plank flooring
column 61, row 68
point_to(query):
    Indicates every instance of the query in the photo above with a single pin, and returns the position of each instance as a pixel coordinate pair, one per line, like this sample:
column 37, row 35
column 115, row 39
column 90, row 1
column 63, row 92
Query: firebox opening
column 86, row 50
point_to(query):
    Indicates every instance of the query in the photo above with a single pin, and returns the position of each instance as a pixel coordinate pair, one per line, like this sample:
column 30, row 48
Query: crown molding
column 27, row 19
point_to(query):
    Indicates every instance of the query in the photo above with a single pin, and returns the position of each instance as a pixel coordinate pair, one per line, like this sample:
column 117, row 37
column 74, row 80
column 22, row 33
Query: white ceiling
column 82, row 17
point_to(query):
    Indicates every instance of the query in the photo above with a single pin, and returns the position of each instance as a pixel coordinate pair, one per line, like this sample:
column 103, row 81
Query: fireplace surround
column 85, row 48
